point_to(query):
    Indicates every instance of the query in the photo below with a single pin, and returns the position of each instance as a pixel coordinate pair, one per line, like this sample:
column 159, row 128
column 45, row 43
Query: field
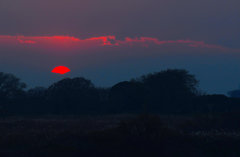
column 116, row 135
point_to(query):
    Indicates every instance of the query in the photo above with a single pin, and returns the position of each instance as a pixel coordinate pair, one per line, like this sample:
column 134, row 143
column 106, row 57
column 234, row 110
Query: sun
column 61, row 70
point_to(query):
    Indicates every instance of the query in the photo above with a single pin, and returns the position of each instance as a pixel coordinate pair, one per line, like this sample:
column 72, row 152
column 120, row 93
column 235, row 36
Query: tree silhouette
column 73, row 95
column 169, row 90
column 127, row 96
column 11, row 88
column 234, row 93
column 35, row 101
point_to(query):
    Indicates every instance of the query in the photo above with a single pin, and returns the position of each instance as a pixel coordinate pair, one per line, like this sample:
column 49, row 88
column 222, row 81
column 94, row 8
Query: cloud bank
column 101, row 41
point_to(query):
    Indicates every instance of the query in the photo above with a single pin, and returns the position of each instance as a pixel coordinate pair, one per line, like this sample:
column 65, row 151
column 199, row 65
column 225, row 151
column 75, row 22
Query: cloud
column 148, row 41
column 26, row 41
column 102, row 41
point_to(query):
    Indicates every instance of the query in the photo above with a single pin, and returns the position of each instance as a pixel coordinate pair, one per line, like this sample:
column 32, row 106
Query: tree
column 35, row 102
column 127, row 96
column 234, row 93
column 11, row 88
column 73, row 95
column 169, row 90
column 38, row 92
column 175, row 79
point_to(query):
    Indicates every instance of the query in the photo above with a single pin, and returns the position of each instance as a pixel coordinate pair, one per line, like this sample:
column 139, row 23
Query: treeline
column 166, row 92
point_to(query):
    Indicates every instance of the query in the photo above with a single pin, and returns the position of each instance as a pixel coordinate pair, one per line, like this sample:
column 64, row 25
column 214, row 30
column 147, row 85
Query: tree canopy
column 10, row 86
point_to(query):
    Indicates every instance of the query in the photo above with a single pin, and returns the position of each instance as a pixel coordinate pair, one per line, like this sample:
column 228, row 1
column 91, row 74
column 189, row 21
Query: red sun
column 61, row 70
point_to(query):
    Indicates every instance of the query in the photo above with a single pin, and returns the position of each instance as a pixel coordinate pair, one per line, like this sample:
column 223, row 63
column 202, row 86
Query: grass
column 115, row 135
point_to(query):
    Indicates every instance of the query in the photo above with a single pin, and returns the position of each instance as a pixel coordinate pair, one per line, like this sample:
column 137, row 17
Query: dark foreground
column 120, row 136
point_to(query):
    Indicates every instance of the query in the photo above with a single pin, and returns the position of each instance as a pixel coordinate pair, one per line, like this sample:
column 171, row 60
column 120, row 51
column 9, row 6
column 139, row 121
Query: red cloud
column 26, row 41
column 106, row 40
column 101, row 41
column 148, row 41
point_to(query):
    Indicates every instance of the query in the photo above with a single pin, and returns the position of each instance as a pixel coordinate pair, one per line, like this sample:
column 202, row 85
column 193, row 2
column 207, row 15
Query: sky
column 109, row 41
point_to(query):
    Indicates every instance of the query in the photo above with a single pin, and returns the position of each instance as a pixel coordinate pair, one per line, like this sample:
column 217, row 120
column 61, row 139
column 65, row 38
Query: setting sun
column 61, row 70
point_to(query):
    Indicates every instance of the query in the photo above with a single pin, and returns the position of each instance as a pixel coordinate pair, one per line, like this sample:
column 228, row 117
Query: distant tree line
column 234, row 93
column 172, row 91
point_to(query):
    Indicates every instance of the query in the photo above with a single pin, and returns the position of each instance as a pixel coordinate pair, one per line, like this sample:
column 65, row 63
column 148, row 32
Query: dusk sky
column 108, row 41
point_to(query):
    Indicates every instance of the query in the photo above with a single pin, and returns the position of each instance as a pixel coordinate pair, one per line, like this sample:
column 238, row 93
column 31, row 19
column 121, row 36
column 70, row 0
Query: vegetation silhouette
column 73, row 96
column 172, row 91
column 11, row 91
column 234, row 93
column 169, row 90
column 158, row 114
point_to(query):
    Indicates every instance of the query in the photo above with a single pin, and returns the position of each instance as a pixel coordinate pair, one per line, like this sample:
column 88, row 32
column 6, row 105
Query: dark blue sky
column 175, row 28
